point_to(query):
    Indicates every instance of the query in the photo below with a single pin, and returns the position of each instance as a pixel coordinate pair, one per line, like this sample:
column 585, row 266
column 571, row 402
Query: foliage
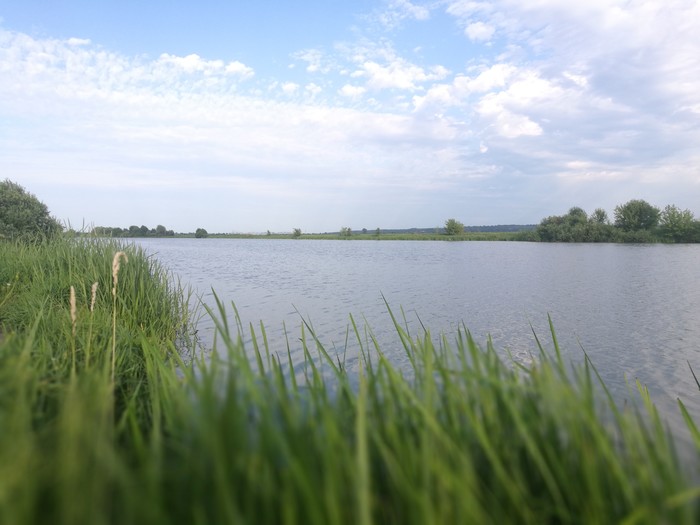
column 296, row 233
column 576, row 226
column 599, row 216
column 636, row 215
column 676, row 224
column 201, row 233
column 22, row 215
column 132, row 231
column 453, row 227
column 345, row 231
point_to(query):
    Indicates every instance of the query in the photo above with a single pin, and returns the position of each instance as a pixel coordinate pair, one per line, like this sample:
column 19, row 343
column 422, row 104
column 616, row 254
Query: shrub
column 453, row 227
column 22, row 215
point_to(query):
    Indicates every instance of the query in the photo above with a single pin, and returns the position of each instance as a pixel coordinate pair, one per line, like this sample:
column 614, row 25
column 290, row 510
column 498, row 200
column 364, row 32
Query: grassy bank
column 144, row 438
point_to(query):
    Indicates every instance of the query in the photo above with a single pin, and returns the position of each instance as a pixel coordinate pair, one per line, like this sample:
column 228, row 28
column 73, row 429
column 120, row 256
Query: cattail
column 93, row 296
column 73, row 309
column 116, row 262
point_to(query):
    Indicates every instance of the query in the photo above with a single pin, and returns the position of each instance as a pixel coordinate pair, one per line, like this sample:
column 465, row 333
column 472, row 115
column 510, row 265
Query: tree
column 676, row 224
column 599, row 216
column 296, row 233
column 161, row 231
column 201, row 233
column 453, row 227
column 636, row 215
column 576, row 216
column 23, row 215
column 345, row 231
column 576, row 226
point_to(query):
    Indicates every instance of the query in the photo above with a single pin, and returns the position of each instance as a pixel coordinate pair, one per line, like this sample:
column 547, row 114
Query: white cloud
column 315, row 60
column 240, row 69
column 78, row 41
column 400, row 10
column 313, row 89
column 383, row 69
column 463, row 87
column 351, row 91
column 290, row 88
column 479, row 31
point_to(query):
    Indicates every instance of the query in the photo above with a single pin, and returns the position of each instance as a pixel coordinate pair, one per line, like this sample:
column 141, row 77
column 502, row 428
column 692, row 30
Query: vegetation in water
column 103, row 421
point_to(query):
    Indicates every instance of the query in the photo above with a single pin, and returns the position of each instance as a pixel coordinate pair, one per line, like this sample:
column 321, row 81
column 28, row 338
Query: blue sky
column 266, row 115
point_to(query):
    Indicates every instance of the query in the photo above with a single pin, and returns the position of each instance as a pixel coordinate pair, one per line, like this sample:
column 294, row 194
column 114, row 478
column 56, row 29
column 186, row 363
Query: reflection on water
column 635, row 309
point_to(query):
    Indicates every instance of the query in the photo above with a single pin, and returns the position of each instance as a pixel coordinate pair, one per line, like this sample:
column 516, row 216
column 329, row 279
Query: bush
column 453, row 227
column 22, row 215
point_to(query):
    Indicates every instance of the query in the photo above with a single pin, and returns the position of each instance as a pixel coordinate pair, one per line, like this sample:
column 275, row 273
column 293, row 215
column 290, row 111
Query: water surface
column 635, row 309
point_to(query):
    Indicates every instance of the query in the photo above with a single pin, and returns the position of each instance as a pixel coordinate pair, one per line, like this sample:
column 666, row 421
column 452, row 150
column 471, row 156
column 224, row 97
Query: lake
column 635, row 309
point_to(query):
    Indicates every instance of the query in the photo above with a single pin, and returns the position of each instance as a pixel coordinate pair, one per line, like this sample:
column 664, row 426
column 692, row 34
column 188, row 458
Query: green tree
column 22, row 215
column 453, row 227
column 345, row 231
column 161, row 231
column 576, row 226
column 201, row 233
column 296, row 233
column 599, row 216
column 676, row 224
column 576, row 216
column 636, row 215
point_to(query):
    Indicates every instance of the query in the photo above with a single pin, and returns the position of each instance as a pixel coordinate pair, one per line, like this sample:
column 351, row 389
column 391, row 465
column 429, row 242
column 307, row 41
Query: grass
column 248, row 436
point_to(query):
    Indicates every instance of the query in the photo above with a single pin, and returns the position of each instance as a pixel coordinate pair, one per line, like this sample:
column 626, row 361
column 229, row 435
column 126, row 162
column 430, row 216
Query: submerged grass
column 465, row 437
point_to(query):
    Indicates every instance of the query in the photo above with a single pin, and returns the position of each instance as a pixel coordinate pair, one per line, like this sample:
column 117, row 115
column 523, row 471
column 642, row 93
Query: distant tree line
column 634, row 221
column 132, row 231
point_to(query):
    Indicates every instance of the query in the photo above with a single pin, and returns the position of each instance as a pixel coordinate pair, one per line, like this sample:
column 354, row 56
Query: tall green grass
column 248, row 436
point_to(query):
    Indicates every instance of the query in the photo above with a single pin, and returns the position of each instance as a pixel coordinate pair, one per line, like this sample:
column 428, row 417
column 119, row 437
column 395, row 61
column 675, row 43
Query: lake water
column 635, row 309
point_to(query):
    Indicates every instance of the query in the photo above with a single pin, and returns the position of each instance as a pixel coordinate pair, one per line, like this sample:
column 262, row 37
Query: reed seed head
column 93, row 296
column 73, row 309
column 116, row 263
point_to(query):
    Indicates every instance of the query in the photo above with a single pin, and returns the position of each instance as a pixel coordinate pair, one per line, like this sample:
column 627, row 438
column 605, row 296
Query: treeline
column 132, row 231
column 634, row 221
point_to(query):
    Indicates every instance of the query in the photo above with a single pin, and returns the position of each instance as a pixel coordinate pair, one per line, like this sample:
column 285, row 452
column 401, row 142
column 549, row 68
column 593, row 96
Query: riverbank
column 144, row 438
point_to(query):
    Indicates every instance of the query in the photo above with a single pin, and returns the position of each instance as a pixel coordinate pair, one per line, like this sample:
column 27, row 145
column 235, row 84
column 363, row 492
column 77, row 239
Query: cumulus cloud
column 290, row 88
column 351, row 91
column 313, row 89
column 384, row 69
column 479, row 31
column 315, row 60
column 148, row 123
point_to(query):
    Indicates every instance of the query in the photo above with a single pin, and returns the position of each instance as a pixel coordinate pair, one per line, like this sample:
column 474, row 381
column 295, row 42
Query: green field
column 105, row 418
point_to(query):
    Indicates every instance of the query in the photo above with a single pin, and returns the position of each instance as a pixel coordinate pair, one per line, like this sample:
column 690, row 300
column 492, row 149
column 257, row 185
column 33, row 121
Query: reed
column 123, row 430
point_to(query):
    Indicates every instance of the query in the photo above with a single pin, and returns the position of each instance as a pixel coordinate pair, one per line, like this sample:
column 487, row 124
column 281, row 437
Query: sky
column 249, row 116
